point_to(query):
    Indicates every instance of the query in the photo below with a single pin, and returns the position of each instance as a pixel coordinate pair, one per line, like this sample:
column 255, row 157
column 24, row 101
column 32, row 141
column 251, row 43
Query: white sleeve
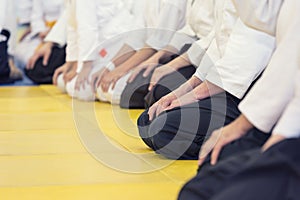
column 199, row 47
column 37, row 22
column 87, row 29
column 137, row 34
column 58, row 33
column 165, row 29
column 72, row 45
column 182, row 37
column 136, row 39
column 269, row 97
column 261, row 14
column 72, row 39
column 3, row 5
column 24, row 9
column 247, row 53
column 8, row 21
column 137, row 9
column 288, row 125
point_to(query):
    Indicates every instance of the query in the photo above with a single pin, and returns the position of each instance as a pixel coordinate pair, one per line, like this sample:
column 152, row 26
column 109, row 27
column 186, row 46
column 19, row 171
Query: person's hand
column 158, row 74
column 83, row 76
column 68, row 70
column 183, row 100
column 57, row 72
column 161, row 105
column 71, row 72
column 274, row 139
column 148, row 66
column 222, row 137
column 42, row 35
column 111, row 78
column 97, row 77
column 44, row 51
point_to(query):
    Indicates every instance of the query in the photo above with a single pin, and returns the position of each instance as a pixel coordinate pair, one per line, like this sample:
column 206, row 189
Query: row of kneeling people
column 219, row 80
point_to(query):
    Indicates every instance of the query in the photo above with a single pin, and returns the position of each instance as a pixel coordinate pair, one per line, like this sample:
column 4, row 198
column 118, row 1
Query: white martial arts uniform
column 58, row 35
column 275, row 98
column 161, row 19
column 43, row 12
column 24, row 10
column 98, row 28
column 236, row 56
column 198, row 29
column 8, row 22
column 157, row 35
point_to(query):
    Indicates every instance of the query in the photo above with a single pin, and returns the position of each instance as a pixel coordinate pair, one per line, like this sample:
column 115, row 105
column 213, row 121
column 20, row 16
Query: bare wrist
column 243, row 124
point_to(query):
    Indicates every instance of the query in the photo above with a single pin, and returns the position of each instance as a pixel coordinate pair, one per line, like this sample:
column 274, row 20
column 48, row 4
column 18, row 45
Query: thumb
column 148, row 70
column 46, row 58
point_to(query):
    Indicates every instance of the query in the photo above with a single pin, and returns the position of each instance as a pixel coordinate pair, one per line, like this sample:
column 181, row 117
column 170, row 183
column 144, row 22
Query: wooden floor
column 46, row 152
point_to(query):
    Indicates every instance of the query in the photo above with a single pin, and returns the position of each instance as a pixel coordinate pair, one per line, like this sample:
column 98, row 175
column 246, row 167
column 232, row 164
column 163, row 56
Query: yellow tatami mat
column 52, row 147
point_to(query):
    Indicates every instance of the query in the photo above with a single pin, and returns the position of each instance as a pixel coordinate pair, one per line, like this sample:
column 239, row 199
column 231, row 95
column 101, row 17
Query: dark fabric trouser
column 180, row 132
column 136, row 94
column 250, row 175
column 41, row 74
column 4, row 67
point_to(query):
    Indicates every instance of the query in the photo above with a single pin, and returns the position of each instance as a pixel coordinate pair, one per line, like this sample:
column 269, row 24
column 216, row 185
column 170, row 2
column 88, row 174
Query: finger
column 69, row 76
column 206, row 148
column 66, row 78
column 104, row 87
column 170, row 107
column 215, row 154
column 204, row 151
column 161, row 107
column 151, row 112
column 132, row 77
column 77, row 85
column 93, row 81
column 201, row 160
column 46, row 58
column 151, row 85
column 98, row 82
column 31, row 62
column 147, row 71
column 72, row 75
column 55, row 76
column 113, row 84
column 83, row 84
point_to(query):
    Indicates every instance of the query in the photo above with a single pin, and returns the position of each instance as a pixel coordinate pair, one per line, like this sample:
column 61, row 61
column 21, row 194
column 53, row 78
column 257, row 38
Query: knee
column 61, row 84
column 101, row 95
column 158, row 92
column 143, row 124
column 134, row 93
column 157, row 133
column 173, row 143
column 193, row 189
column 110, row 96
column 143, row 127
column 85, row 94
